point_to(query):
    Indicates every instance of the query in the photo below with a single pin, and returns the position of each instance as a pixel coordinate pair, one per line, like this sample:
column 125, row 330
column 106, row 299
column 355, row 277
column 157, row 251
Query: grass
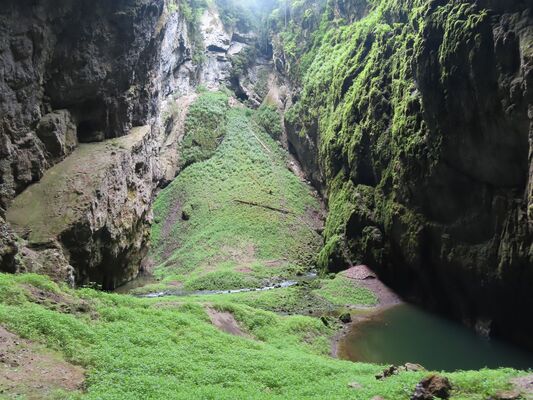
column 205, row 237
column 204, row 127
column 167, row 349
column 237, row 219
column 341, row 291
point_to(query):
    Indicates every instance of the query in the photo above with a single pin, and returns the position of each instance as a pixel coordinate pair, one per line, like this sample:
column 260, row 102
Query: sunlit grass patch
column 342, row 291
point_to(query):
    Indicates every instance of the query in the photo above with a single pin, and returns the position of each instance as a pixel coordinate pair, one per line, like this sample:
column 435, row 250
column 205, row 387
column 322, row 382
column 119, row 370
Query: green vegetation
column 358, row 87
column 268, row 118
column 168, row 349
column 238, row 219
column 341, row 291
column 204, row 127
column 191, row 10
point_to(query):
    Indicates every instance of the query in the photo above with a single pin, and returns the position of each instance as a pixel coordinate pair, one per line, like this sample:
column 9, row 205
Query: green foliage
column 247, row 214
column 221, row 280
column 241, row 61
column 268, row 118
column 235, row 15
column 359, row 89
column 204, row 127
column 341, row 291
column 165, row 349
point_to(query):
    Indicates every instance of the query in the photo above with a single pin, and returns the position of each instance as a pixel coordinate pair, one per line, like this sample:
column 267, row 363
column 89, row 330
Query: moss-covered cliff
column 414, row 117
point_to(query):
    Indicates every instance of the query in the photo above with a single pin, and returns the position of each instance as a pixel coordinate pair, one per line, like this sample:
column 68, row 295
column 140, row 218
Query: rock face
column 57, row 132
column 74, row 72
column 70, row 71
column 86, row 72
column 434, row 386
column 419, row 135
column 8, row 248
column 94, row 206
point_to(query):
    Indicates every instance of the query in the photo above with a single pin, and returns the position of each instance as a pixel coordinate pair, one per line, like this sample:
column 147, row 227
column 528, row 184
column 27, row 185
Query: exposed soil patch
column 524, row 385
column 365, row 277
column 226, row 322
column 170, row 222
column 30, row 371
column 58, row 301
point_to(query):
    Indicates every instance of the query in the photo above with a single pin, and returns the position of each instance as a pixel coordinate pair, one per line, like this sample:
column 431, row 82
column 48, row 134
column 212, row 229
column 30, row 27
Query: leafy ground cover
column 167, row 349
column 238, row 218
column 235, row 217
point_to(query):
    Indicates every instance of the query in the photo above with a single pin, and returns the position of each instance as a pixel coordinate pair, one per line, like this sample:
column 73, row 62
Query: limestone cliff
column 74, row 72
column 415, row 118
column 78, row 73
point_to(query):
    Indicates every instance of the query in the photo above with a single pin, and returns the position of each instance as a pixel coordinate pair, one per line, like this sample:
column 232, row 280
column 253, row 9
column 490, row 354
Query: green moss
column 358, row 87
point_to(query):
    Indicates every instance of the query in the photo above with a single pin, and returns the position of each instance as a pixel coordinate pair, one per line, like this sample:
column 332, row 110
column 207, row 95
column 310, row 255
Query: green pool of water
column 406, row 333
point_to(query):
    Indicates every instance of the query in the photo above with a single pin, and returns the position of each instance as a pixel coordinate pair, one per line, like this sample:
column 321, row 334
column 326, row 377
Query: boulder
column 394, row 370
column 432, row 386
column 345, row 318
column 412, row 367
column 355, row 385
column 507, row 395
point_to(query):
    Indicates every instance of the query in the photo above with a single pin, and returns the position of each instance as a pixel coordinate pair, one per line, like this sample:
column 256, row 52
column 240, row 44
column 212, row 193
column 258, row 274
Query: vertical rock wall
column 419, row 133
column 86, row 71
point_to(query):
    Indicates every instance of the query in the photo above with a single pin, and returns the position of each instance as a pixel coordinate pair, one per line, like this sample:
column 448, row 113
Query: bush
column 268, row 118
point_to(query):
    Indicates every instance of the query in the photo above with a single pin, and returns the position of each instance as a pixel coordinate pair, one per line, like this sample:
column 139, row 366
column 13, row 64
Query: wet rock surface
column 78, row 73
column 84, row 73
column 70, row 72
column 90, row 211
column 8, row 248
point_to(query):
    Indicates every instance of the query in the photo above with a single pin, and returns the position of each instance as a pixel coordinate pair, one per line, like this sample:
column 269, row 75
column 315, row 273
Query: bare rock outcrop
column 84, row 72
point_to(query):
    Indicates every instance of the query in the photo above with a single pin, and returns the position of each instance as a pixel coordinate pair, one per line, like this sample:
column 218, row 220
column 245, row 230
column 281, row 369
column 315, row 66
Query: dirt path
column 30, row 371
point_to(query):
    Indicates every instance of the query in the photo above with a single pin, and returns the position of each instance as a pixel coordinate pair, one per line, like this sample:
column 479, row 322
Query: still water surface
column 405, row 333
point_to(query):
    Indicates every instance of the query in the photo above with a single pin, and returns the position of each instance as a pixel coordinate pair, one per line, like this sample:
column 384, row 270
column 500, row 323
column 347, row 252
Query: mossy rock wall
column 416, row 114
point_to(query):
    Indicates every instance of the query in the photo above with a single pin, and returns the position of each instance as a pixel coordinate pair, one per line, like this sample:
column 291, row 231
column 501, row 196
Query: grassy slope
column 167, row 349
column 203, row 237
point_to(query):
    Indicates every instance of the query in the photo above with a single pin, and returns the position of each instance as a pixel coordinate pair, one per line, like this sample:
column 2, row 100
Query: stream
column 144, row 280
